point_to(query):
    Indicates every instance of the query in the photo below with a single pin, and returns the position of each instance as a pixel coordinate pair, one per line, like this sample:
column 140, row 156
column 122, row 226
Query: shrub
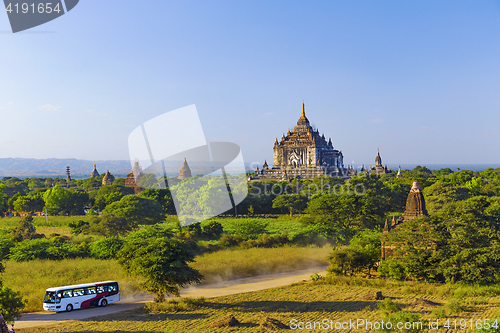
column 212, row 229
column 392, row 268
column 25, row 229
column 106, row 248
column 308, row 237
column 194, row 228
column 248, row 227
column 388, row 305
column 184, row 304
column 346, row 261
column 78, row 227
column 6, row 243
column 45, row 249
column 229, row 241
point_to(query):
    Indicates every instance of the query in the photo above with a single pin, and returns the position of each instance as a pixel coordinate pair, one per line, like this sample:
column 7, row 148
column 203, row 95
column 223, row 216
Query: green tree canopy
column 295, row 203
column 136, row 210
column 161, row 262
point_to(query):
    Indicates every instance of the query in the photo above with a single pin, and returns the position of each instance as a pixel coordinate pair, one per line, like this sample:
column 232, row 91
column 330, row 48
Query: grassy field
column 275, row 226
column 33, row 277
column 305, row 302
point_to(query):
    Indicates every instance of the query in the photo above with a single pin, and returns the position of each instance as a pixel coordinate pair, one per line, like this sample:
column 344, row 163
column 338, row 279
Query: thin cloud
column 10, row 103
column 426, row 128
column 268, row 114
column 49, row 107
column 378, row 120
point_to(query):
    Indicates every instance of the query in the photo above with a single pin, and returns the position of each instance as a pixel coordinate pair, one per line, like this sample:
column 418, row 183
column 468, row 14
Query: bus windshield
column 50, row 297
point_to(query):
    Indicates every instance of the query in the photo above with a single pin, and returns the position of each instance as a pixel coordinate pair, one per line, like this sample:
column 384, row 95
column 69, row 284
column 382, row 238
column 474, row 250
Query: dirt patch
column 271, row 324
column 227, row 321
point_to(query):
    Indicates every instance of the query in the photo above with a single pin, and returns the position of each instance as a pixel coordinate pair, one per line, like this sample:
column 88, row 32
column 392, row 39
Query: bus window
column 78, row 292
column 113, row 288
column 102, row 289
column 50, row 297
column 67, row 293
column 90, row 291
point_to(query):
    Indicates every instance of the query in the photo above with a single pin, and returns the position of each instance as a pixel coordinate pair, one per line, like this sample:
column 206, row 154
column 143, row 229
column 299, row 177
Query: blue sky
column 419, row 80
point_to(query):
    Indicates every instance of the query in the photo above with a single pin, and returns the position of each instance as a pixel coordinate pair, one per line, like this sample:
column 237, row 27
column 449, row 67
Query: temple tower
column 415, row 203
column 108, row 178
column 185, row 171
column 94, row 173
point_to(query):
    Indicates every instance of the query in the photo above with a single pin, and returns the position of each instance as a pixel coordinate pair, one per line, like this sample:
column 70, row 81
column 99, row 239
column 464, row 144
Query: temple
column 378, row 168
column 185, row 171
column 108, row 178
column 304, row 154
column 94, row 173
column 134, row 177
column 415, row 208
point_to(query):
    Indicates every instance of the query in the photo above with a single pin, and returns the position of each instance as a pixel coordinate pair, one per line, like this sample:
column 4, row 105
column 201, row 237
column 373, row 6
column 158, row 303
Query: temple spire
column 303, row 115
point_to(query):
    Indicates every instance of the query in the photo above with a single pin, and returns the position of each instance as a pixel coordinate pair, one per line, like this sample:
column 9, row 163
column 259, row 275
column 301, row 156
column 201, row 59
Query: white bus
column 81, row 296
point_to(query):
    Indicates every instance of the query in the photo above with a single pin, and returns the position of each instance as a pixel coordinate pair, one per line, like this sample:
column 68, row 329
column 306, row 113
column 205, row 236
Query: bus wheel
column 104, row 302
column 69, row 307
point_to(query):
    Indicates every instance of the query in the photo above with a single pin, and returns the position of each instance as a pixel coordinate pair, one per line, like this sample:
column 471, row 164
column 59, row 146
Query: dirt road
column 209, row 290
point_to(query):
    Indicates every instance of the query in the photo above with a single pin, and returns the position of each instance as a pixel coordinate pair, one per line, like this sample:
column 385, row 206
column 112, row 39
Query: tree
column 441, row 193
column 295, row 203
column 162, row 262
column 25, row 229
column 368, row 244
column 162, row 196
column 136, row 210
column 108, row 194
column 11, row 304
column 29, row 203
column 58, row 199
column 109, row 225
column 357, row 205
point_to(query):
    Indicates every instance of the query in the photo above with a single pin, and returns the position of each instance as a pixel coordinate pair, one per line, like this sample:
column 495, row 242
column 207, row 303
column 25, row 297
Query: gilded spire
column 303, row 115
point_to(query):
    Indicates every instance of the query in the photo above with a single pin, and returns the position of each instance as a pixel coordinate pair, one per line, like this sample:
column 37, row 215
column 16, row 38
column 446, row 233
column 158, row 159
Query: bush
column 388, row 305
column 308, row 237
column 25, row 229
column 6, row 243
column 248, row 227
column 194, row 229
column 184, row 304
column 212, row 229
column 229, row 241
column 54, row 249
column 78, row 227
column 346, row 261
column 392, row 268
column 106, row 248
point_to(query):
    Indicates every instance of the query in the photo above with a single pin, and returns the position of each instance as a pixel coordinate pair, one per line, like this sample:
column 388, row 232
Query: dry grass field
column 304, row 302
